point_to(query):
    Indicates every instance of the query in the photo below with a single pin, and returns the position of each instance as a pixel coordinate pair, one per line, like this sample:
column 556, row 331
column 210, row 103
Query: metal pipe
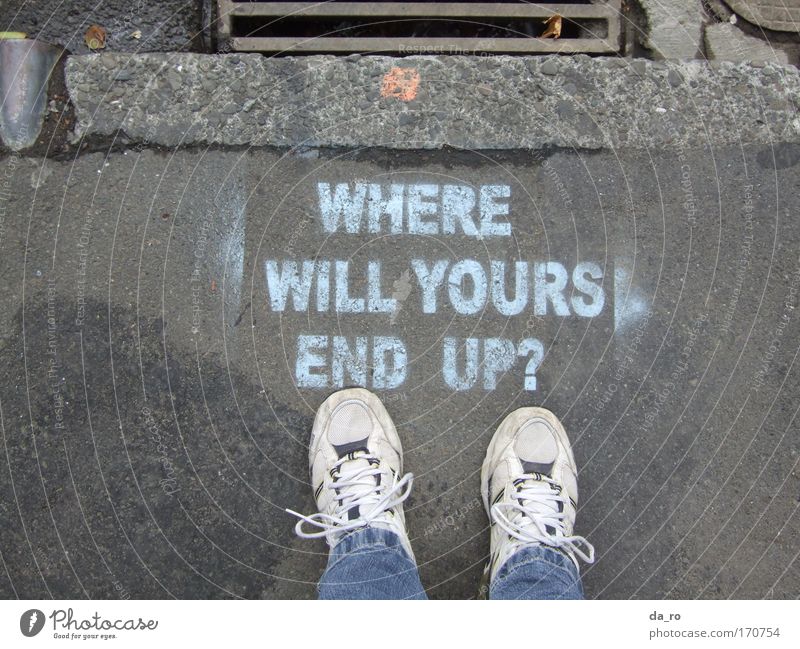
column 25, row 69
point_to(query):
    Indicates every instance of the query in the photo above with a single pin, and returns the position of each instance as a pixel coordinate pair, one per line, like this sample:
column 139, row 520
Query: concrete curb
column 466, row 102
column 675, row 28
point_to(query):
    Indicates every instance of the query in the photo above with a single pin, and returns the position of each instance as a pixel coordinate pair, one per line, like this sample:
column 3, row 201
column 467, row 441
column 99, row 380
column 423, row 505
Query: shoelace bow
column 533, row 508
column 356, row 488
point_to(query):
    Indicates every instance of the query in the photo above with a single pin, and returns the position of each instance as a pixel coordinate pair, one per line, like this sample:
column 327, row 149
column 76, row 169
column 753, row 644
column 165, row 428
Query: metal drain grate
column 417, row 27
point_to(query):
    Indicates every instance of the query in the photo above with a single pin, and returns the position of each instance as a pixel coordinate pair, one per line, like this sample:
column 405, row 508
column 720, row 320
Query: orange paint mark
column 401, row 83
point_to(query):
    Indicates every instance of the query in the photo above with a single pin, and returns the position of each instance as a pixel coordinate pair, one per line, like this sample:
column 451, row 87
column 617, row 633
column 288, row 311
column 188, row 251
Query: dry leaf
column 553, row 29
column 95, row 37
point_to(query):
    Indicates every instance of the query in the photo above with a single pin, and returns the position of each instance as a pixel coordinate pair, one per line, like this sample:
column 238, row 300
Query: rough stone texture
column 165, row 24
column 675, row 28
column 465, row 102
column 726, row 42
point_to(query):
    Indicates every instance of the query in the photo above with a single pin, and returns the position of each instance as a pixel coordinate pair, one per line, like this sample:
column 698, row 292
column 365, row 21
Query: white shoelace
column 356, row 488
column 532, row 510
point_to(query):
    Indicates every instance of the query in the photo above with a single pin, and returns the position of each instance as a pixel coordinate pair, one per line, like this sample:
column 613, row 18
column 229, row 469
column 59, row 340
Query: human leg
column 356, row 462
column 530, row 492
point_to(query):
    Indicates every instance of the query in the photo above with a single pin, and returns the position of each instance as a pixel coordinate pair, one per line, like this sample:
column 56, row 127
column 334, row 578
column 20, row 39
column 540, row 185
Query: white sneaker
column 530, row 488
column 356, row 459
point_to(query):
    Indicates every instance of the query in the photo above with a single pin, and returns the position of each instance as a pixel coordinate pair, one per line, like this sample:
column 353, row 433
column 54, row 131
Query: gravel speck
column 549, row 67
column 674, row 78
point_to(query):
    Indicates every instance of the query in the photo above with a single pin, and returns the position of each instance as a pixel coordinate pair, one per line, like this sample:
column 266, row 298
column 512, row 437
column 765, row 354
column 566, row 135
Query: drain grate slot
column 417, row 27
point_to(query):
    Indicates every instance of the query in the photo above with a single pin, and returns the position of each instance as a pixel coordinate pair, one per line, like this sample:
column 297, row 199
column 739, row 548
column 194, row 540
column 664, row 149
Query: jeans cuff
column 366, row 539
column 559, row 561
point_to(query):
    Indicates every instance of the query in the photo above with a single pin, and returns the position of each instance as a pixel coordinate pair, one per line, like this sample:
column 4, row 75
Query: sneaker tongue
column 352, row 467
column 543, row 506
column 534, row 479
column 540, row 506
column 539, row 481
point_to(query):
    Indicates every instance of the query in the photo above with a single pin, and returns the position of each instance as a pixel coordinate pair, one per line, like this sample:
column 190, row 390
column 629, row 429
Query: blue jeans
column 371, row 563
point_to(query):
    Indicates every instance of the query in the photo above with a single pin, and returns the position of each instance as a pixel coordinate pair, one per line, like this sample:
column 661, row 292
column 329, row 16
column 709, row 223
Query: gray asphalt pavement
column 130, row 26
column 171, row 320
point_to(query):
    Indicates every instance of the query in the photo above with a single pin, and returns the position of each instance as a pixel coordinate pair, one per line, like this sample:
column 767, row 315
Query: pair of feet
column 528, row 480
